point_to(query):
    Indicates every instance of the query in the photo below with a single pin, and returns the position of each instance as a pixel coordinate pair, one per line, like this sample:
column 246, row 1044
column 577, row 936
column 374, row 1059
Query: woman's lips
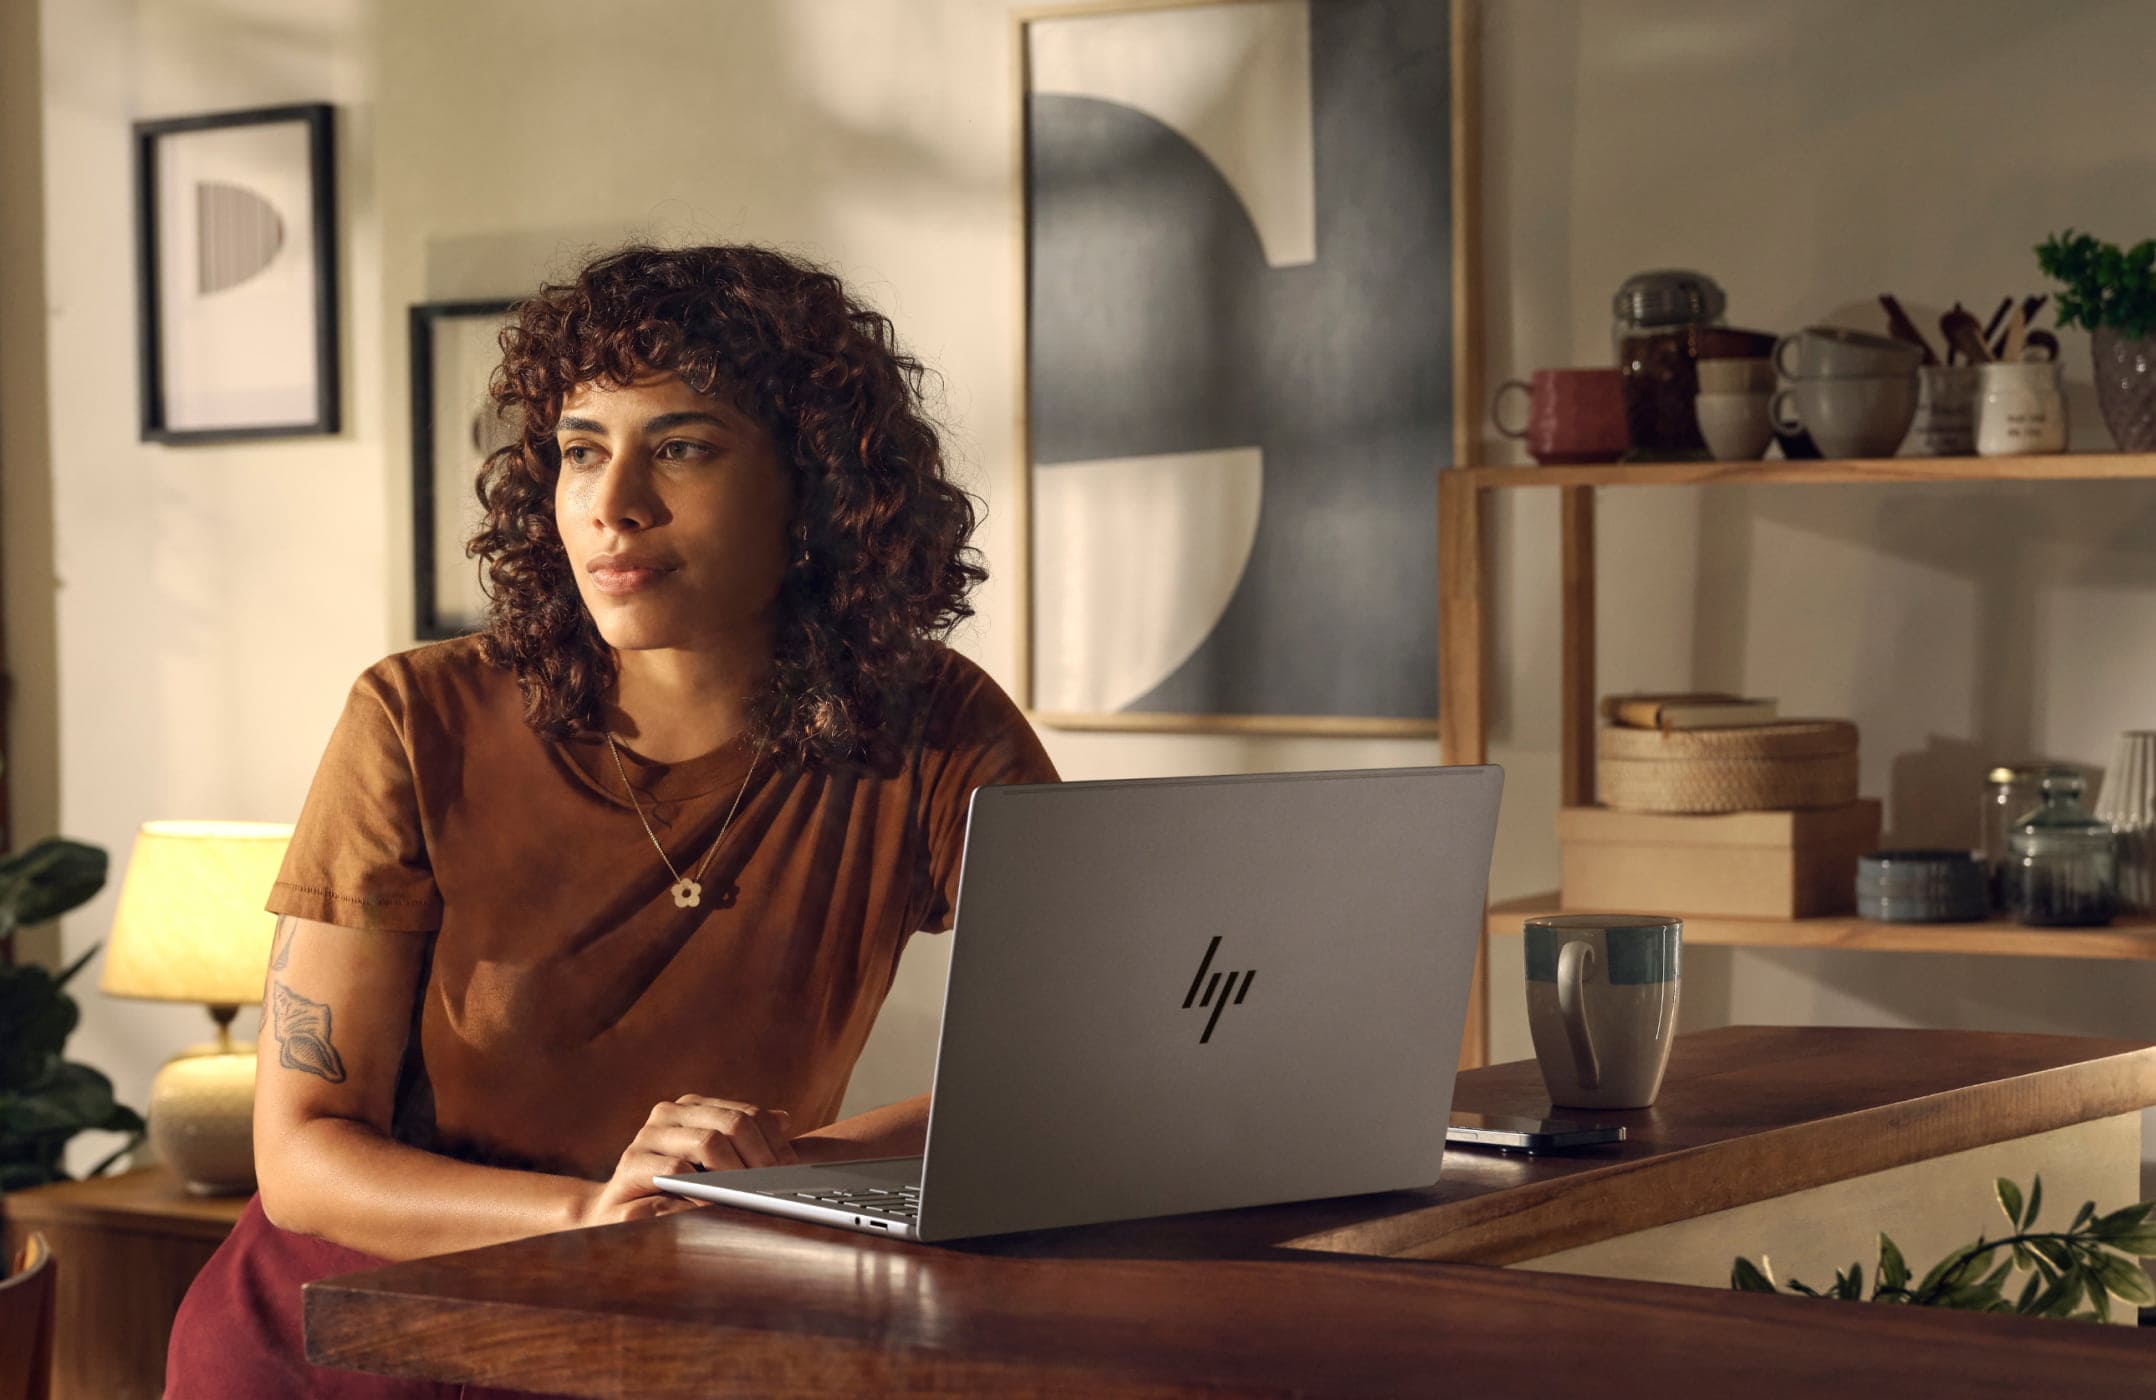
column 622, row 582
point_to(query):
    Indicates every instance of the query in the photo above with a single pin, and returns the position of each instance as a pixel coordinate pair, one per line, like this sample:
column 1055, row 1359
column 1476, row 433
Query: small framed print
column 455, row 348
column 236, row 227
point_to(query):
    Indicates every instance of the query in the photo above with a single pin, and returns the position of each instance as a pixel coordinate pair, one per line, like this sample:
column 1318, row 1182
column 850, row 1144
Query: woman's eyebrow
column 653, row 425
column 674, row 420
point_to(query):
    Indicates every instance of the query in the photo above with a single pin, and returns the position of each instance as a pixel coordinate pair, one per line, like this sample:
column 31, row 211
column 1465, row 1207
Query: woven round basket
column 1796, row 738
column 1698, row 785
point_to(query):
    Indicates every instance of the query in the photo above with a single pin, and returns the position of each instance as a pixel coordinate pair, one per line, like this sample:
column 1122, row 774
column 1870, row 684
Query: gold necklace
column 688, row 890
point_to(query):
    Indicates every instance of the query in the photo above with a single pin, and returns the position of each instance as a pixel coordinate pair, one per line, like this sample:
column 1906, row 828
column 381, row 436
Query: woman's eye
column 577, row 456
column 684, row 450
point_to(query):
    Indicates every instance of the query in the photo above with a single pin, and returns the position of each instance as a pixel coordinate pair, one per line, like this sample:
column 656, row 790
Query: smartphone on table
column 1528, row 1134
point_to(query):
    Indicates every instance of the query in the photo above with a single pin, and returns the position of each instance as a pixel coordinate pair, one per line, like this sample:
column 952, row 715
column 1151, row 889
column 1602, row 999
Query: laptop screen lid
column 1172, row 995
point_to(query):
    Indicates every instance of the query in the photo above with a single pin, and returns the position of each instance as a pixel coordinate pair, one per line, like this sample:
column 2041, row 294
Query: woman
column 617, row 888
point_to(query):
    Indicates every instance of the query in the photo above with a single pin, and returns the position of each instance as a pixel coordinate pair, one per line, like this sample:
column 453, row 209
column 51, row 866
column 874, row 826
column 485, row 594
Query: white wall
column 216, row 601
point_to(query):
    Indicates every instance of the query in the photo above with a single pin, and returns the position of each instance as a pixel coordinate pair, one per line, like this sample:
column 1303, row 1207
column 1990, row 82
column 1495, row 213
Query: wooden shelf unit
column 1998, row 937
column 1463, row 649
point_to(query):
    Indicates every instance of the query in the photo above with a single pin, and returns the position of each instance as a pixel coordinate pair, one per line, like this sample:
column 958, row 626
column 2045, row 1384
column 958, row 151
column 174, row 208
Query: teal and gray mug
column 1602, row 1004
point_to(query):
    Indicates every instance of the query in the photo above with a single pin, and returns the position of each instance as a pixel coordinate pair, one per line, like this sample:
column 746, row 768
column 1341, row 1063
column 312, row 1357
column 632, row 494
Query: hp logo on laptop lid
column 1221, row 984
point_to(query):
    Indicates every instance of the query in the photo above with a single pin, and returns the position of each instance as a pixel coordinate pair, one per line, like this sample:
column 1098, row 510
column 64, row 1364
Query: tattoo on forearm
column 302, row 1030
column 281, row 942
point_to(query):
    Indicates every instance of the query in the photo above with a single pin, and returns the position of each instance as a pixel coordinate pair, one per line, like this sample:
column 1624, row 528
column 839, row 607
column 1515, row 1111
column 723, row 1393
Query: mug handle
column 1779, row 346
column 1497, row 406
column 1574, row 961
column 1789, row 424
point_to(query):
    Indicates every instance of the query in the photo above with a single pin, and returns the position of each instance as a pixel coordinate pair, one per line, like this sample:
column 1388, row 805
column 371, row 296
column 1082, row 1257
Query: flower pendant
column 688, row 894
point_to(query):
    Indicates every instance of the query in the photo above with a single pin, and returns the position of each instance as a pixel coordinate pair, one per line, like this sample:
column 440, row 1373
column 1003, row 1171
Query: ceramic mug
column 1741, row 375
column 1602, row 1005
column 1849, row 418
column 2021, row 409
column 1832, row 352
column 1573, row 415
column 1736, row 426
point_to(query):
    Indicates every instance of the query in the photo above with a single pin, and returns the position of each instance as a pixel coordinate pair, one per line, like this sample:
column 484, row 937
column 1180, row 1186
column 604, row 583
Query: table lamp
column 191, row 927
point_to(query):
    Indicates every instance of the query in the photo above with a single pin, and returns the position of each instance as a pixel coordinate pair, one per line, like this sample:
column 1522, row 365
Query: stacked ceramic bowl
column 1922, row 887
column 1734, row 396
column 1854, row 393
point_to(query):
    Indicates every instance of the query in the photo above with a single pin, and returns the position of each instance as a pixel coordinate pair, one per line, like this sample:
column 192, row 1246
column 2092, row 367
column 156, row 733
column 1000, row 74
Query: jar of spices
column 1655, row 311
column 2063, row 862
column 2011, row 793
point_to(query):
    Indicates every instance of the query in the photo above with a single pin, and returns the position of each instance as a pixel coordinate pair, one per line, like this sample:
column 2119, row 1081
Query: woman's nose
column 627, row 497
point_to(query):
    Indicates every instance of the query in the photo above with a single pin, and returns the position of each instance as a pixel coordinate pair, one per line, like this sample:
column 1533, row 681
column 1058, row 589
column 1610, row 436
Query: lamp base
column 202, row 1109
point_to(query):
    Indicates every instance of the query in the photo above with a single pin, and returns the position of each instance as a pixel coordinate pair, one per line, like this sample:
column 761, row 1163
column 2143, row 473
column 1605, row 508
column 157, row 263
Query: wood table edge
column 611, row 1353
column 1624, row 1197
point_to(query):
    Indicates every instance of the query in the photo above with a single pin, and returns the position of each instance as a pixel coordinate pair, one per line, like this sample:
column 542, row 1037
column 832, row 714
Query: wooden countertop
column 721, row 1302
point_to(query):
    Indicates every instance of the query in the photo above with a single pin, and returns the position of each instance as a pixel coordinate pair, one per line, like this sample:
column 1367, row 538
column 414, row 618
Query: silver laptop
column 1183, row 994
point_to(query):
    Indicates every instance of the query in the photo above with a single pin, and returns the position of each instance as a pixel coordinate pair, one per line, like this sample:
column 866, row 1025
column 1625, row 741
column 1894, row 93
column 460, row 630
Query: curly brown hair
column 881, row 562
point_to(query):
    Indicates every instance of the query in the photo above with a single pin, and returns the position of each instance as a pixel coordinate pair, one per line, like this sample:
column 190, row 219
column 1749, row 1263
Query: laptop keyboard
column 904, row 1203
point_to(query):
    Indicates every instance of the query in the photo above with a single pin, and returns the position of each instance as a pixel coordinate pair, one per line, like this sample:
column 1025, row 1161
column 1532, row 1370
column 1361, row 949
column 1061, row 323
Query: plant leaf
column 2141, row 1240
column 1745, row 1277
column 2121, row 1222
column 2036, row 1200
column 51, row 878
column 1893, row 1269
column 2009, row 1201
column 2081, row 1216
column 2122, row 1278
column 2028, row 1293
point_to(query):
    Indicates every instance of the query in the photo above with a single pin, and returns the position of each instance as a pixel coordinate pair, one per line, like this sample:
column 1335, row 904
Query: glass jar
column 2011, row 793
column 2063, row 861
column 1655, row 314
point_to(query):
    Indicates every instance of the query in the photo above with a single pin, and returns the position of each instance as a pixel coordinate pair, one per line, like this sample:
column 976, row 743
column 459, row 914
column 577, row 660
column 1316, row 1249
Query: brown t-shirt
column 566, row 993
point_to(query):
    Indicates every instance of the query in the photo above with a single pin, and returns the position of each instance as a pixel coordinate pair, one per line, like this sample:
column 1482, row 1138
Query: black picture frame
column 195, row 421
column 432, row 619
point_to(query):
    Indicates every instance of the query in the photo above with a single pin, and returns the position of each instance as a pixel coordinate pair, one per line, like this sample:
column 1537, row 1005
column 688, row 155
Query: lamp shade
column 191, row 926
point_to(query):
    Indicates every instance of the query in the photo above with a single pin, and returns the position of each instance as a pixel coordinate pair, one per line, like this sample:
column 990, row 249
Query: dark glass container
column 2062, row 867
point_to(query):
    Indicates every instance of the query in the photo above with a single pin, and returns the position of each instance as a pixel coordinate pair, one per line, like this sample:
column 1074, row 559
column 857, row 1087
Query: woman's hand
column 690, row 1134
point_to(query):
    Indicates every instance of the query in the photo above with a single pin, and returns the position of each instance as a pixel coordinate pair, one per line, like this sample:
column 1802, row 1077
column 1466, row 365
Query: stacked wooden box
column 1742, row 820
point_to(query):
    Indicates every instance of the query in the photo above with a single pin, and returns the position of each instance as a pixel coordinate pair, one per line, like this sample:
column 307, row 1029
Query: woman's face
column 674, row 509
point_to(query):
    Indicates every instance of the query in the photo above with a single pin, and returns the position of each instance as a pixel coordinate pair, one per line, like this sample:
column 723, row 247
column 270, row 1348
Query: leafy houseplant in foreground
column 2112, row 292
column 44, row 1099
column 2072, row 1273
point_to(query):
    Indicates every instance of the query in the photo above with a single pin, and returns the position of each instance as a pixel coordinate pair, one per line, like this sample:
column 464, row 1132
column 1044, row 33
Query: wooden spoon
column 1964, row 334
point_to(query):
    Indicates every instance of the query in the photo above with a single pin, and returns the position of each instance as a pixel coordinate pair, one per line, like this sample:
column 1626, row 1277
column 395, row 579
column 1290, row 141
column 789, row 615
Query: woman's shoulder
column 448, row 678
column 965, row 706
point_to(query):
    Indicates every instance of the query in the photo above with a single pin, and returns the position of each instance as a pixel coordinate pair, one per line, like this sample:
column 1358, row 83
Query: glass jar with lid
column 2011, row 792
column 1656, row 313
column 2062, row 865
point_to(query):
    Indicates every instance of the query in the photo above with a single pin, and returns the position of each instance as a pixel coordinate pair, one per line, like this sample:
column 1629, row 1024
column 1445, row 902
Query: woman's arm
column 895, row 1130
column 336, row 1014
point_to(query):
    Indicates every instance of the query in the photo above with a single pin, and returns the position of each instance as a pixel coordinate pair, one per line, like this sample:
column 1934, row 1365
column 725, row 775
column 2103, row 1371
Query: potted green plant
column 2072, row 1273
column 45, row 1099
column 2111, row 291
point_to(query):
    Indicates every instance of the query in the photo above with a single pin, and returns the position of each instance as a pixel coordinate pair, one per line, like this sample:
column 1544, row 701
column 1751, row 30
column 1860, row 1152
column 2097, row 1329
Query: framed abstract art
column 236, row 246
column 1238, row 368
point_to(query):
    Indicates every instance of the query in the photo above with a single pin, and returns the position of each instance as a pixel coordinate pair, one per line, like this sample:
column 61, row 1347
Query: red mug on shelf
column 1573, row 415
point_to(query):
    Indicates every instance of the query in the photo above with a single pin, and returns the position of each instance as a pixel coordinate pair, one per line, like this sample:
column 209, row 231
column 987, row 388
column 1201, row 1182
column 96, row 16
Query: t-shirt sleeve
column 358, row 856
column 976, row 737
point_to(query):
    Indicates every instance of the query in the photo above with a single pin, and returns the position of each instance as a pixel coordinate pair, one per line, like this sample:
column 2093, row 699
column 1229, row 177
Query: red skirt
column 237, row 1335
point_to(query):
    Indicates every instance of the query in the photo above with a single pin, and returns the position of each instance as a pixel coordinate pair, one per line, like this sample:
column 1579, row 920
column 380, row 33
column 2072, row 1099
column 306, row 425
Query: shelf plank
column 2069, row 466
column 2134, row 939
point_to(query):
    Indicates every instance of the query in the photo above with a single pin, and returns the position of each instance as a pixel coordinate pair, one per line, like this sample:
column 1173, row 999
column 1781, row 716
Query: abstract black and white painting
column 1239, row 362
column 236, row 235
column 456, row 346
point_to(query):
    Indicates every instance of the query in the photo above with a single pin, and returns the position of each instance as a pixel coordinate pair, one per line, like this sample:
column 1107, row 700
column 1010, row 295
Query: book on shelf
column 1688, row 710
